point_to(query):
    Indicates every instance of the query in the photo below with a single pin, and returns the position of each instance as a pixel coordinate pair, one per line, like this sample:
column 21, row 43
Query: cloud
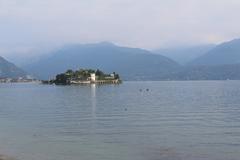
column 145, row 23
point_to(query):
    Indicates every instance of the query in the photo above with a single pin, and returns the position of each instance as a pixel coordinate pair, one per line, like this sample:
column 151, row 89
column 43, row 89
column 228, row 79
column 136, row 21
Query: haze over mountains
column 223, row 54
column 130, row 63
column 208, row 62
column 184, row 55
column 9, row 70
column 220, row 63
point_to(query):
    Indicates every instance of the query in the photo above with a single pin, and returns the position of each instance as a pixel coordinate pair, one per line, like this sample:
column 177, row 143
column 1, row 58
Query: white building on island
column 93, row 77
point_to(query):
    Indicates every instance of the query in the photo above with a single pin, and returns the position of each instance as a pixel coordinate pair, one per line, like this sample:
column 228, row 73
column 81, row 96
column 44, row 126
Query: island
column 85, row 76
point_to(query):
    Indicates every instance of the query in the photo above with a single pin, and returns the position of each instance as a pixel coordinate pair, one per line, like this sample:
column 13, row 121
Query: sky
column 149, row 24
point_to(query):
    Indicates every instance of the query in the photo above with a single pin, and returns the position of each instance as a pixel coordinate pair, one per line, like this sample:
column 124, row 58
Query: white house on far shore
column 93, row 77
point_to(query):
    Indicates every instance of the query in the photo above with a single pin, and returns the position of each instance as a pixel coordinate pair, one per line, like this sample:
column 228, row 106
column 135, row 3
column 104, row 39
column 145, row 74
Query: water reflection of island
column 85, row 76
column 93, row 100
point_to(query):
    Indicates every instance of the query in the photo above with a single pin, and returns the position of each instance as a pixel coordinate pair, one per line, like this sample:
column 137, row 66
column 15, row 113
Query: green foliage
column 70, row 72
column 81, row 75
column 116, row 76
column 62, row 79
column 99, row 73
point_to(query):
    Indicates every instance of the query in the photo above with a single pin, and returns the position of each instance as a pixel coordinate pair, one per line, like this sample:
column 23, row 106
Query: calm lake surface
column 171, row 121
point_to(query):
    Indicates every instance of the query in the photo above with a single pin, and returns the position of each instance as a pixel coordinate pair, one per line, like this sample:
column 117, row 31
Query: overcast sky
column 137, row 23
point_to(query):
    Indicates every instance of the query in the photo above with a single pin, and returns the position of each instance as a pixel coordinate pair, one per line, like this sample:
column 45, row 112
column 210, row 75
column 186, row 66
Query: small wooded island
column 84, row 76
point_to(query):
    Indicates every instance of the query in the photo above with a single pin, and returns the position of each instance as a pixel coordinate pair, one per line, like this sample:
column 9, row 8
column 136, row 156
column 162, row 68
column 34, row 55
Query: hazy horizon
column 149, row 24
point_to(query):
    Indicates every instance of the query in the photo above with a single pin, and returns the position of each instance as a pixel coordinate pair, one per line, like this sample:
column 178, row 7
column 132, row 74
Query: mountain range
column 184, row 55
column 130, row 63
column 223, row 54
column 197, row 63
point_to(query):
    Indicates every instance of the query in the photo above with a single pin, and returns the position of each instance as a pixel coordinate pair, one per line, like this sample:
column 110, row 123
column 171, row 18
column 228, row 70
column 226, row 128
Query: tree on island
column 70, row 72
column 116, row 76
column 61, row 79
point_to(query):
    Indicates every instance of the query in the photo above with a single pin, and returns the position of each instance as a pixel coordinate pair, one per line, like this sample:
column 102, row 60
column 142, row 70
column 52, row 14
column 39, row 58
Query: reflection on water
column 93, row 96
column 171, row 121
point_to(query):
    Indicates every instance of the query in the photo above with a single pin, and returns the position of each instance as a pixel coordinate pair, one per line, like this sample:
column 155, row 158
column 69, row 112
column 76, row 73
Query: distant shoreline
column 17, row 80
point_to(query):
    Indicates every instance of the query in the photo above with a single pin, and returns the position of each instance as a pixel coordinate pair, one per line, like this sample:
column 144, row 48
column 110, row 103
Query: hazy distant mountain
column 184, row 55
column 220, row 63
column 130, row 63
column 225, row 53
column 23, row 58
column 9, row 70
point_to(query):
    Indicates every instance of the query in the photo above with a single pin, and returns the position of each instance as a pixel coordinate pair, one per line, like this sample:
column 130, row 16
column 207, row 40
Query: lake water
column 171, row 121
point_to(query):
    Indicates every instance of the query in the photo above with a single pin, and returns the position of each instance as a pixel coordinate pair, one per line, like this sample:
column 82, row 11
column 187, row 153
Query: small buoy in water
column 125, row 109
column 147, row 89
